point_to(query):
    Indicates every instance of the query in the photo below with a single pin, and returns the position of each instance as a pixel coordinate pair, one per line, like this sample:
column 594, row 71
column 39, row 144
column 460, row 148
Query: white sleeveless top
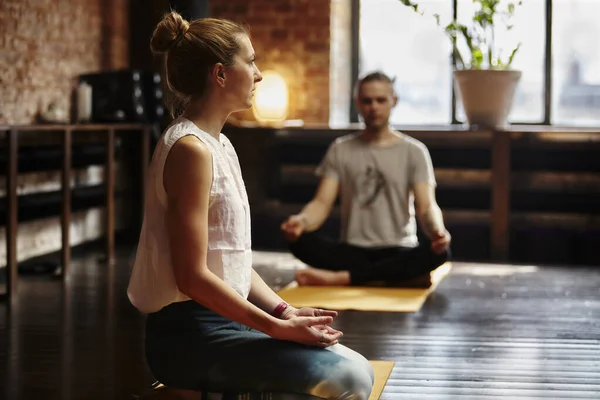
column 152, row 283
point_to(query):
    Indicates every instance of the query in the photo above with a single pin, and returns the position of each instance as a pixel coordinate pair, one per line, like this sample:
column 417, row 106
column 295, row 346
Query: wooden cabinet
column 67, row 132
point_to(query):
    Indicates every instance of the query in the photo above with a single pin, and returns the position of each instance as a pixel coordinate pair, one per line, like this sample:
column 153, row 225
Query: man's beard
column 376, row 126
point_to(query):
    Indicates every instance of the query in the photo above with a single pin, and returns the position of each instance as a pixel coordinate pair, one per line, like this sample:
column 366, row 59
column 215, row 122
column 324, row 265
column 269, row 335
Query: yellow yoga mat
column 382, row 370
column 362, row 298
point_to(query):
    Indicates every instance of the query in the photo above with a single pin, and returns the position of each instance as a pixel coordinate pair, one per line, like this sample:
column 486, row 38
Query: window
column 559, row 57
column 576, row 62
column 414, row 51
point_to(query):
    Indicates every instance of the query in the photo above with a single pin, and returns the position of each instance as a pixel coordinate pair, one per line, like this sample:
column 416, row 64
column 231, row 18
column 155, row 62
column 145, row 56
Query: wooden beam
column 12, row 211
column 500, row 223
column 66, row 203
column 110, row 196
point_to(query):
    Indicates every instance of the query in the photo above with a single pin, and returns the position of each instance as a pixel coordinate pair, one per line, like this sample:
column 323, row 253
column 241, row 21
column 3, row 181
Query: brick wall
column 45, row 44
column 292, row 37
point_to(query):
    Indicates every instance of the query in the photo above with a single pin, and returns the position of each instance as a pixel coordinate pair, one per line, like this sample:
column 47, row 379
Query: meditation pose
column 213, row 324
column 384, row 178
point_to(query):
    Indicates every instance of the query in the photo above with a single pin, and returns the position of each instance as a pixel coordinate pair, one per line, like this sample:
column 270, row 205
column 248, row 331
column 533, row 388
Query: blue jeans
column 191, row 347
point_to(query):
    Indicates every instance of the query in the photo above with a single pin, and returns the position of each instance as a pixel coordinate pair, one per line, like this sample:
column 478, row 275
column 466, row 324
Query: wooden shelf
column 72, row 127
column 476, row 178
column 12, row 144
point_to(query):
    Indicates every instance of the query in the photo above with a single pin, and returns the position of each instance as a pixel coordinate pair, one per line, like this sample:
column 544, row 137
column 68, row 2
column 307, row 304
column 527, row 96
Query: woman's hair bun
column 168, row 32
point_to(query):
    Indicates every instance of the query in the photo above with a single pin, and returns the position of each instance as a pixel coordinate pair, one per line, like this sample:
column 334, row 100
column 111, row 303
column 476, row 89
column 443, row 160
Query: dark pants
column 191, row 347
column 391, row 265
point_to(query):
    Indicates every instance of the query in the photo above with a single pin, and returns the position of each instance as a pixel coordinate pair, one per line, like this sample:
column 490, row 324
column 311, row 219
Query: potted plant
column 483, row 76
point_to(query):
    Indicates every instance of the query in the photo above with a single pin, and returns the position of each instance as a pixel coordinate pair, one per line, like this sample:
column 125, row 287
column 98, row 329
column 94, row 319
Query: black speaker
column 153, row 97
column 125, row 96
column 191, row 9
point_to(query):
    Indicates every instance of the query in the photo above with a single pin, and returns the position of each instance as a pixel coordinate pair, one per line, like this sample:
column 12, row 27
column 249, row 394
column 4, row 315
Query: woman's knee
column 350, row 380
column 350, row 377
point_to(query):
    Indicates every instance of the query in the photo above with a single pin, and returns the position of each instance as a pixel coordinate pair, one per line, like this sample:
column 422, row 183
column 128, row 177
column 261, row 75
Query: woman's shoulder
column 190, row 150
column 182, row 127
column 188, row 165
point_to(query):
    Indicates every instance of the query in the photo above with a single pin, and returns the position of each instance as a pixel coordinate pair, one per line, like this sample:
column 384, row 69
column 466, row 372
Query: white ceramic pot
column 487, row 95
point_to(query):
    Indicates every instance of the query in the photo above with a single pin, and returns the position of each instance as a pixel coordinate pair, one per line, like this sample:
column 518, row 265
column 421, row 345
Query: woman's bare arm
column 187, row 178
column 262, row 295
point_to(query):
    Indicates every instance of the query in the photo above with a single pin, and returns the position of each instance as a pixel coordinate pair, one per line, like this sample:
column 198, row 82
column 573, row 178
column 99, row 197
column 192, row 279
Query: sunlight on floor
column 492, row 269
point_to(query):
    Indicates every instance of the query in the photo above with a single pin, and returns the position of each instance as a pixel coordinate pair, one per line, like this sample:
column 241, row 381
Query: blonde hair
column 190, row 50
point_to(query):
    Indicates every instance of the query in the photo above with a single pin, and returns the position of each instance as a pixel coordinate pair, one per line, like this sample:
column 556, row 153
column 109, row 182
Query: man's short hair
column 375, row 76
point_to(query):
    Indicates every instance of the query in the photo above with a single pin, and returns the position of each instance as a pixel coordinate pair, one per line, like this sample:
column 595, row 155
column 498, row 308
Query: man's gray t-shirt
column 376, row 182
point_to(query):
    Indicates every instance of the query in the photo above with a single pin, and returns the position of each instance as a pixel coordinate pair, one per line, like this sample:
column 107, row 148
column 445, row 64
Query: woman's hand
column 307, row 330
column 331, row 335
column 291, row 312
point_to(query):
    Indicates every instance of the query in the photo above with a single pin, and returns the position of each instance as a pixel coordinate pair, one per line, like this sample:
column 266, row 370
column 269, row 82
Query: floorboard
column 487, row 332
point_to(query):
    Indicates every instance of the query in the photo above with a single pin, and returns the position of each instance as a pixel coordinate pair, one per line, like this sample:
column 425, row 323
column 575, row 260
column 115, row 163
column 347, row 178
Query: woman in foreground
column 213, row 324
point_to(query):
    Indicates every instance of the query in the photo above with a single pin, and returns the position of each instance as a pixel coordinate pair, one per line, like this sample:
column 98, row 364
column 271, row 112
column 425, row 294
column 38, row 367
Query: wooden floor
column 489, row 331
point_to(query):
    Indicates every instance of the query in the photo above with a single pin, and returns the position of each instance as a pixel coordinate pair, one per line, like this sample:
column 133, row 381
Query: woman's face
column 243, row 76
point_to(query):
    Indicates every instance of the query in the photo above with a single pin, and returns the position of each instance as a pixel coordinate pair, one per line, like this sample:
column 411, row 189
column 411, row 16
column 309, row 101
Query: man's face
column 374, row 101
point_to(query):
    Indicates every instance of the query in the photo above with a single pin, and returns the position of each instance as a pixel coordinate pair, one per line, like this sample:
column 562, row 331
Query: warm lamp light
column 270, row 103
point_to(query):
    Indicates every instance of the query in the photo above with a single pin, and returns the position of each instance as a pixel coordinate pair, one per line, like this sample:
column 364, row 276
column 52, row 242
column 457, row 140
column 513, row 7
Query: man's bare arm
column 316, row 212
column 428, row 212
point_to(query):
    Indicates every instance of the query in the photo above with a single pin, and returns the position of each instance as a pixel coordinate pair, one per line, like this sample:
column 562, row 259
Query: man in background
column 386, row 184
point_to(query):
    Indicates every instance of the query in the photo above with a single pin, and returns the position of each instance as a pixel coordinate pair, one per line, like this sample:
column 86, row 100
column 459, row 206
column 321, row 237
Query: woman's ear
column 218, row 74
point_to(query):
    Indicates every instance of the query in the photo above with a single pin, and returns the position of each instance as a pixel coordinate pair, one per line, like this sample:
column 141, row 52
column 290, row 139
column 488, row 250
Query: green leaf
column 465, row 32
column 512, row 55
column 476, row 58
column 459, row 61
column 410, row 4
